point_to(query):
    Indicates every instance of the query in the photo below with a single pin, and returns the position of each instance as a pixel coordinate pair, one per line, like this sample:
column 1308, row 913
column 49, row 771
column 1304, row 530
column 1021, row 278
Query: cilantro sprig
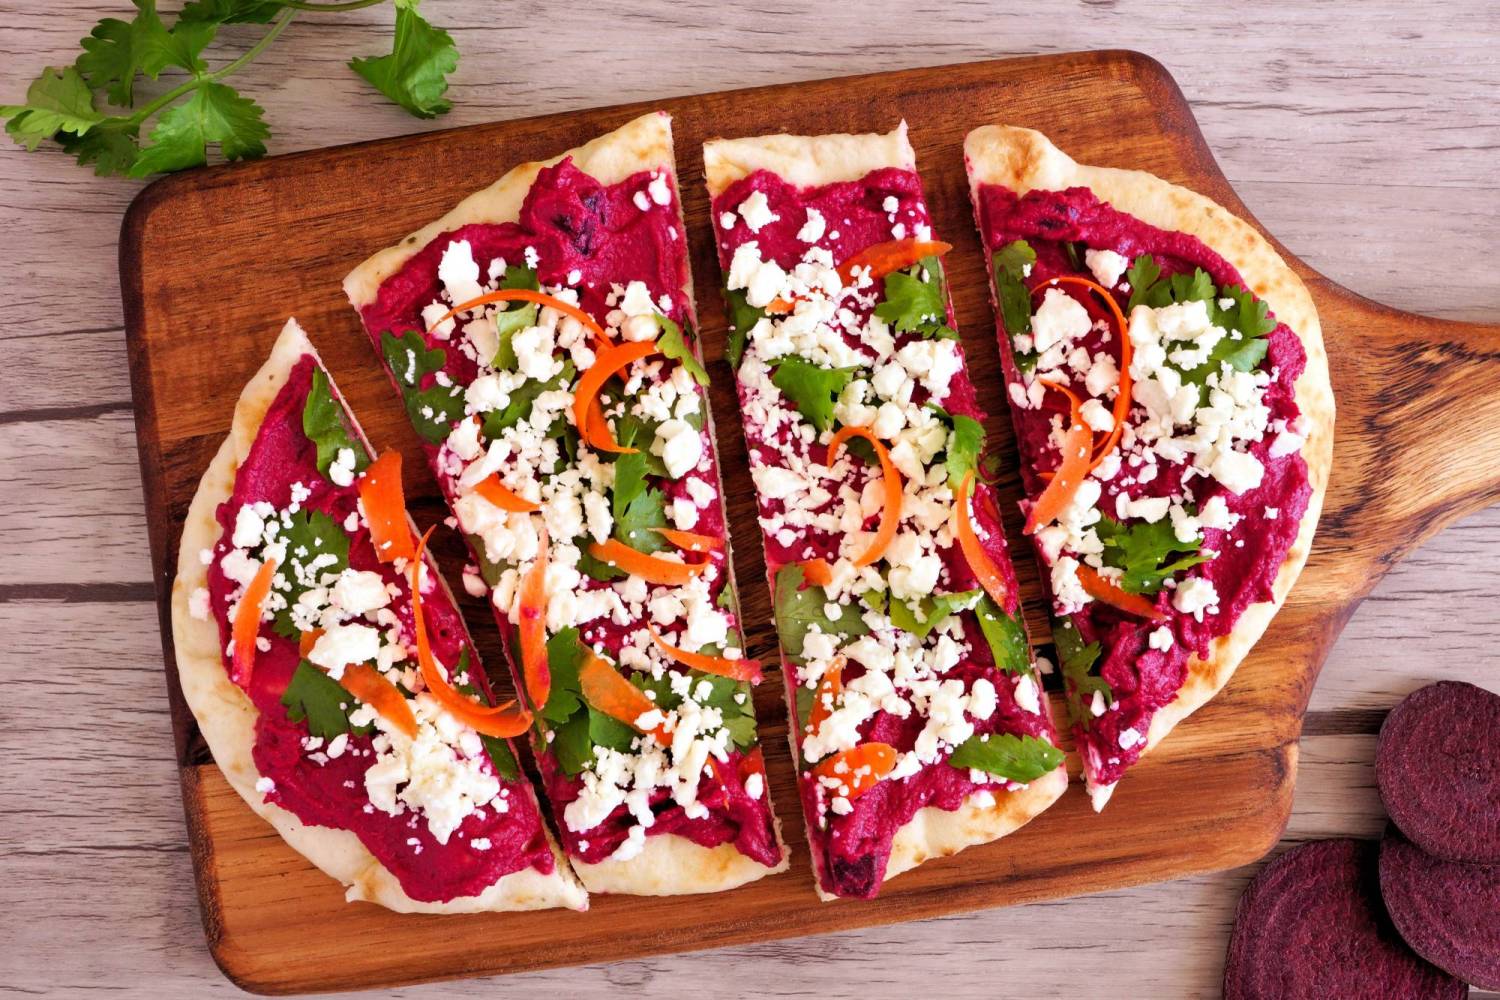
column 69, row 104
column 1244, row 318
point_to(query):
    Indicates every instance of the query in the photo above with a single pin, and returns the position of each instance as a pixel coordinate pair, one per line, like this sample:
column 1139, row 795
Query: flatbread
column 812, row 161
column 227, row 717
column 667, row 864
column 1023, row 160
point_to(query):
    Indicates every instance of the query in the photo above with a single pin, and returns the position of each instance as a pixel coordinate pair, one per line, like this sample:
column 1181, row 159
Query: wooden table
column 1364, row 135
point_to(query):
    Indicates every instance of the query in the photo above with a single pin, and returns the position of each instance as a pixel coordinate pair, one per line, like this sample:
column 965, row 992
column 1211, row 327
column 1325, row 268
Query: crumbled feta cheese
column 756, row 211
column 1107, row 266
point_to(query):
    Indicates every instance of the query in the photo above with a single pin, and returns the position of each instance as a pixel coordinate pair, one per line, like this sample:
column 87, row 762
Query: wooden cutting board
column 214, row 260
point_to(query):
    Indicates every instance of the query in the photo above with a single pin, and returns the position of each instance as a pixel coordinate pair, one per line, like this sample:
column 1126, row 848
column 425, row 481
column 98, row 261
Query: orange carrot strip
column 816, row 572
column 246, row 628
column 980, row 564
column 890, row 514
column 829, row 690
column 532, row 613
column 883, row 258
column 1122, row 398
column 1102, row 590
column 649, row 568
column 496, row 492
column 527, row 295
column 307, row 640
column 860, row 768
column 370, row 686
column 690, row 541
column 723, row 666
column 385, row 508
column 604, row 688
column 503, row 721
column 606, row 363
column 780, row 306
column 1070, row 472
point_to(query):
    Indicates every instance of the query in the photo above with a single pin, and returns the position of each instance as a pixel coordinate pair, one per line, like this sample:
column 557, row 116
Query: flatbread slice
column 659, row 788
column 327, row 770
column 918, row 721
column 1198, row 512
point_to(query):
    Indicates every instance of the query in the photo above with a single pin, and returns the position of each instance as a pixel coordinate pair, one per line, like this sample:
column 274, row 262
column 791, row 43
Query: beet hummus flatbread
column 542, row 336
column 918, row 721
column 1174, row 476
column 296, row 648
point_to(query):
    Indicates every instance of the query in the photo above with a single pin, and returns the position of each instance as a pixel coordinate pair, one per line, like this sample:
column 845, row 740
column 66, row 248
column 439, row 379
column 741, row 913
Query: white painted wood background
column 1366, row 135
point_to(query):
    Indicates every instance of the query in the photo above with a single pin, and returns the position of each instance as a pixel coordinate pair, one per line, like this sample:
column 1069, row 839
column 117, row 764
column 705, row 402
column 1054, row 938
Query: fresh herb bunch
column 65, row 104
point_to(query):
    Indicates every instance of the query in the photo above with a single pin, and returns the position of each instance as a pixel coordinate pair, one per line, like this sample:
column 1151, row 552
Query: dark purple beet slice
column 1448, row 911
column 1438, row 767
column 1311, row 926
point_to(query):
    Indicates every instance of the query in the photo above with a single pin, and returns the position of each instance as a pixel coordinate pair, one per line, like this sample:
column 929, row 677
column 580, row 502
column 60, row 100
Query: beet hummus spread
column 629, row 505
column 1187, row 512
column 447, row 813
column 908, row 674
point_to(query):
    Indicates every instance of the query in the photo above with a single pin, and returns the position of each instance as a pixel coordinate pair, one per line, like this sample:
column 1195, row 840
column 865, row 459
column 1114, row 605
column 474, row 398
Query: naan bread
column 227, row 717
column 1023, row 160
column 813, row 161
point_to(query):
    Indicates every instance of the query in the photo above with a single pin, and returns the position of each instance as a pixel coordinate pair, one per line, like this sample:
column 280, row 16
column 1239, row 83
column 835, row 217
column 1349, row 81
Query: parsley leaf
column 732, row 698
column 742, row 318
column 811, row 389
column 1075, row 660
column 433, row 410
column 415, row 73
column 57, row 101
column 965, row 442
column 915, row 301
column 930, row 611
column 318, row 699
column 215, row 113
column 672, row 344
column 1245, row 320
column 1144, row 551
column 501, row 756
column 799, row 610
column 1010, row 263
column 1005, row 635
column 1141, row 275
column 507, row 324
column 633, row 524
column 323, row 423
column 1021, row 759
column 564, row 657
column 311, row 538
column 522, row 400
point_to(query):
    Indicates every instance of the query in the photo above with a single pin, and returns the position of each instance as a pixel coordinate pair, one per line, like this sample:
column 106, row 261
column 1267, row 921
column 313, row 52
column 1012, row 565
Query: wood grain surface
column 1364, row 141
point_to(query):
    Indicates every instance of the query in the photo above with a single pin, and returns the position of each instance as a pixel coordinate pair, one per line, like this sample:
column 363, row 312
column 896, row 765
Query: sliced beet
column 1438, row 767
column 1311, row 925
column 1448, row 911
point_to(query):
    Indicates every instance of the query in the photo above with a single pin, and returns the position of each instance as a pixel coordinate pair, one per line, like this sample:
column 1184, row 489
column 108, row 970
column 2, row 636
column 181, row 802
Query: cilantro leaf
column 1005, row 635
column 564, row 657
column 507, row 324
column 1245, row 320
column 57, row 101
column 1075, row 661
column 1021, row 759
column 111, row 146
column 732, row 698
column 571, row 744
column 522, row 400
column 116, row 51
column 672, row 344
column 811, row 389
column 1145, row 552
column 215, row 113
column 319, row 700
column 742, row 319
column 1009, row 264
column 311, row 538
column 232, row 11
column 1142, row 276
column 647, row 510
column 433, row 410
column 501, row 756
column 799, row 610
column 915, row 300
column 415, row 73
column 323, row 424
column 965, row 442
column 930, row 611
column 596, row 568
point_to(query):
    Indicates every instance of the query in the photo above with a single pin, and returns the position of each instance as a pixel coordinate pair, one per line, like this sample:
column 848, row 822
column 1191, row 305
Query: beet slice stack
column 1448, row 911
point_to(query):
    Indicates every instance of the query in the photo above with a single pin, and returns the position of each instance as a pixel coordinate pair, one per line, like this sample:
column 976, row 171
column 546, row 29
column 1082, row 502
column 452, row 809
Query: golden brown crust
column 227, row 717
column 1023, row 160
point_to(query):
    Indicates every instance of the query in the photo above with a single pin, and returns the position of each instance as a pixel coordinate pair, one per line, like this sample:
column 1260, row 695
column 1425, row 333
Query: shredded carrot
column 532, row 625
column 370, row 686
column 586, row 394
column 828, row 692
column 858, row 770
column 496, row 492
column 246, row 628
column 601, row 338
column 883, row 258
column 504, row 721
column 738, row 670
column 385, row 508
column 1070, row 472
column 1102, row 590
column 816, row 572
column 753, row 762
column 1122, row 397
column 307, row 640
column 649, row 568
column 980, row 564
column 606, row 690
column 690, row 541
column 890, row 514
column 780, row 306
